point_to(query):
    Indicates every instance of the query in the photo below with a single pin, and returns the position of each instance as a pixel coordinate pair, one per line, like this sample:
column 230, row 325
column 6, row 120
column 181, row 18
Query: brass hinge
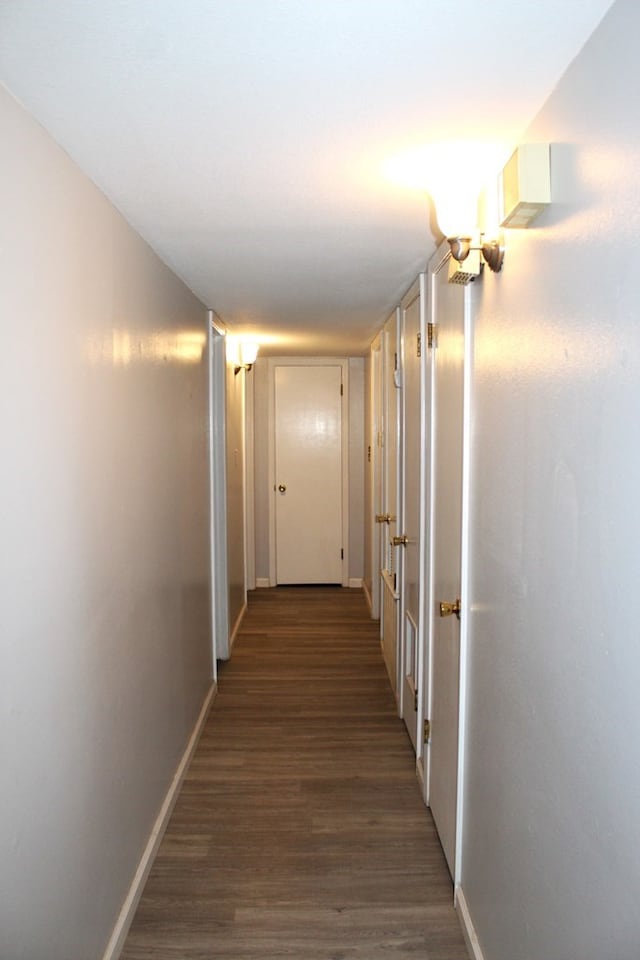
column 427, row 730
column 342, row 554
column 341, row 390
column 418, row 345
column 415, row 701
column 431, row 334
column 395, row 361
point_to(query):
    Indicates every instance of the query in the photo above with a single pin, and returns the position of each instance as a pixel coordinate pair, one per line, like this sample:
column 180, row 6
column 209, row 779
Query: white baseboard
column 236, row 626
column 468, row 929
column 355, row 583
column 262, row 582
column 367, row 595
column 130, row 905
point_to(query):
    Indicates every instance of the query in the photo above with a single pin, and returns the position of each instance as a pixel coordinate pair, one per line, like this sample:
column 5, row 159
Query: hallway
column 300, row 830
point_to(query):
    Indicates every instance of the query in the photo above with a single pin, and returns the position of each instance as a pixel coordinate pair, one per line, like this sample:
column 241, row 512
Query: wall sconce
column 523, row 192
column 456, row 211
column 247, row 354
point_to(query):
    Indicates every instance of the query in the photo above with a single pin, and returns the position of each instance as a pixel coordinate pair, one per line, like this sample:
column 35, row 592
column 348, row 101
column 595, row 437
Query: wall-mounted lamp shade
column 248, row 352
column 454, row 175
column 244, row 353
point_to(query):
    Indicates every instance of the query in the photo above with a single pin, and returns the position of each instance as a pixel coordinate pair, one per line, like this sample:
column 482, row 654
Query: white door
column 448, row 308
column 391, row 506
column 411, row 474
column 375, row 455
column 308, row 473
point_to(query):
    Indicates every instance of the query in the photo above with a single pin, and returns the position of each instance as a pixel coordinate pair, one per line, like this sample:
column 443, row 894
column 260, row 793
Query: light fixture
column 454, row 173
column 246, row 356
column 454, row 190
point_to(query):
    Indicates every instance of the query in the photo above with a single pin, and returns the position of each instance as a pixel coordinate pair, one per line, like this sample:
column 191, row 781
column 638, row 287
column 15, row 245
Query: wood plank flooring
column 300, row 831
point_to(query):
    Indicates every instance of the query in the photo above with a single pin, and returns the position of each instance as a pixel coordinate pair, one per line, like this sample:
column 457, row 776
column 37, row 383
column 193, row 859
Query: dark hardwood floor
column 300, row 830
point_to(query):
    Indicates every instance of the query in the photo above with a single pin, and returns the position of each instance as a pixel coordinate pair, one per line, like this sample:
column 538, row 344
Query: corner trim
column 368, row 598
column 130, row 905
column 468, row 929
column 262, row 582
column 355, row 583
column 236, row 626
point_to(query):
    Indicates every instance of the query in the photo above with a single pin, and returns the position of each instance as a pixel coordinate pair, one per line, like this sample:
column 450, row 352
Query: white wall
column 552, row 826
column 105, row 647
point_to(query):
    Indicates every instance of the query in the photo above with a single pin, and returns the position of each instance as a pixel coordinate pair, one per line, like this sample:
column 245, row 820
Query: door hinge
column 418, row 345
column 395, row 361
column 427, row 730
column 341, row 390
column 431, row 334
column 415, row 701
column 342, row 554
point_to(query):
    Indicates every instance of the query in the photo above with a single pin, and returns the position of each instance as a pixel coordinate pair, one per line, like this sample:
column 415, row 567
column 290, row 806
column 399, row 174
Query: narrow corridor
column 300, row 830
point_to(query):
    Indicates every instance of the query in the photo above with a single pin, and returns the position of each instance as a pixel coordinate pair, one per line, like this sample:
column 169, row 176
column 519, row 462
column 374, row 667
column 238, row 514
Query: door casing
column 272, row 363
column 413, row 454
column 437, row 265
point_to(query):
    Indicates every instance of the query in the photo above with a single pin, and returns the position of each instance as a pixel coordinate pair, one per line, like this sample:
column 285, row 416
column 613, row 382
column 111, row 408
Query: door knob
column 399, row 541
column 382, row 518
column 282, row 487
column 447, row 609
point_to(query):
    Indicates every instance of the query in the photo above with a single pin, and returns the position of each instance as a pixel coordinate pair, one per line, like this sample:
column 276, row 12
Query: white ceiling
column 244, row 139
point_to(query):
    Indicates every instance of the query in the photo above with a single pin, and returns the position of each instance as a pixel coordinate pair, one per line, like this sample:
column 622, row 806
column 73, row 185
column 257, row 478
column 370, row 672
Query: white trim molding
column 355, row 583
column 262, row 582
column 369, row 598
column 130, row 905
column 237, row 624
column 343, row 362
column 468, row 929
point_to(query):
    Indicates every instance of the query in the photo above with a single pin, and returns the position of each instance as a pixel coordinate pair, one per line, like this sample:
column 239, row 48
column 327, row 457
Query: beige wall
column 552, row 784
column 105, row 645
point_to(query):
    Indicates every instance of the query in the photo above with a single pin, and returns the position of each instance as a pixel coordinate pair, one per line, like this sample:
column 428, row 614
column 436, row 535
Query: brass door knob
column 282, row 487
column 382, row 518
column 447, row 609
column 399, row 541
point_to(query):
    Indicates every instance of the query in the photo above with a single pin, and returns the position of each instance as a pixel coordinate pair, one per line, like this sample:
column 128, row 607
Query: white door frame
column 217, row 491
column 376, row 396
column 249, row 484
column 465, row 573
column 438, row 262
column 417, row 290
column 272, row 363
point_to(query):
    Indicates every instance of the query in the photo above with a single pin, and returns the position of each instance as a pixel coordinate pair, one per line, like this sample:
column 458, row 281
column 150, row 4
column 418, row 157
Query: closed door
column 376, row 473
column 411, row 619
column 391, row 557
column 308, row 473
column 448, row 304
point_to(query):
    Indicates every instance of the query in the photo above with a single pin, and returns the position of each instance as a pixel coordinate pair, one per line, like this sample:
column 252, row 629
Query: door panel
column 448, row 304
column 391, row 506
column 411, row 619
column 377, row 484
column 308, row 473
